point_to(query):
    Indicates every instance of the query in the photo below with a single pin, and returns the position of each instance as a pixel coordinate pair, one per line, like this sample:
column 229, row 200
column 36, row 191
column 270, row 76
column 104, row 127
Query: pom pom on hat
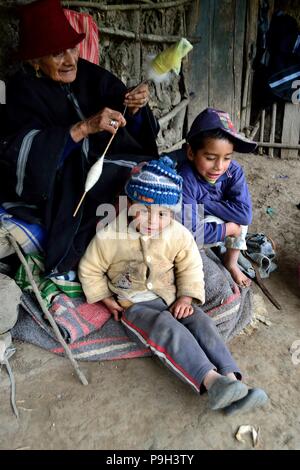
column 156, row 182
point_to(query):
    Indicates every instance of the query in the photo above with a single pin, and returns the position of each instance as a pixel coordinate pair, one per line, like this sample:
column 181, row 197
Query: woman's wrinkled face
column 60, row 67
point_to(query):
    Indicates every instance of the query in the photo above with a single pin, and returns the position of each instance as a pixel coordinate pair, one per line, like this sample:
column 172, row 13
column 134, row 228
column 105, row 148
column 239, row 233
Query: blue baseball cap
column 213, row 119
column 156, row 182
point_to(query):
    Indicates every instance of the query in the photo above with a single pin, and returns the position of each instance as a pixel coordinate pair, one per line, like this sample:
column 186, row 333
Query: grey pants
column 190, row 347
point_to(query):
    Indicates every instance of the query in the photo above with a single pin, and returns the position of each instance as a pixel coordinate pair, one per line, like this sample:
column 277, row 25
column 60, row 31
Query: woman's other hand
column 137, row 98
column 106, row 120
column 113, row 306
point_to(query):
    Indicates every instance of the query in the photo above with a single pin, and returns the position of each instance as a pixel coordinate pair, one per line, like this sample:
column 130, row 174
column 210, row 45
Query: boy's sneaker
column 225, row 391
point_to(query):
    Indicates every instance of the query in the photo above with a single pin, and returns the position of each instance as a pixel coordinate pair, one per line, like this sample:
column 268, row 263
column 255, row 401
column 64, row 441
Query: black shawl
column 39, row 114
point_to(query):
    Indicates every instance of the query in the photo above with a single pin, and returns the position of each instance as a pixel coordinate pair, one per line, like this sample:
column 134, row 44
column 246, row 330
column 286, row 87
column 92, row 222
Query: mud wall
column 211, row 75
column 125, row 57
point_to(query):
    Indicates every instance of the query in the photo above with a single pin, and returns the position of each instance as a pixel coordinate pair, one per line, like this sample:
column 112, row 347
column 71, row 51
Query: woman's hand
column 113, row 307
column 182, row 308
column 106, row 120
column 137, row 98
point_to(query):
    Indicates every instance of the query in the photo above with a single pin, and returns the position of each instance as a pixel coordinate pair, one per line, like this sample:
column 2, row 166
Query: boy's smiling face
column 213, row 160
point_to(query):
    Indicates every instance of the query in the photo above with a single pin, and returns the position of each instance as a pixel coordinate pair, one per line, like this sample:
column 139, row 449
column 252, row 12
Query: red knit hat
column 45, row 30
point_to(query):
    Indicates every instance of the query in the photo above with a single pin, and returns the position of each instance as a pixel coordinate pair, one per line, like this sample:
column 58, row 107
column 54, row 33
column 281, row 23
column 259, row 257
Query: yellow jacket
column 120, row 260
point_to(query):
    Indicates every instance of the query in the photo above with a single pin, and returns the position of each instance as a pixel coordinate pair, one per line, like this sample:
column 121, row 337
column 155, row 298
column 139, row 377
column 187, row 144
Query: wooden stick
column 79, row 203
column 149, row 2
column 260, row 283
column 273, row 125
column 145, row 37
column 108, row 145
column 251, row 134
column 98, row 6
column 262, row 130
column 46, row 312
column 254, row 131
column 278, row 146
column 245, row 93
column 174, row 147
column 167, row 117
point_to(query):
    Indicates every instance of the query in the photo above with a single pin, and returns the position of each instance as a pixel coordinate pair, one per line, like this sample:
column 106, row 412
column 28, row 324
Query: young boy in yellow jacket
column 146, row 267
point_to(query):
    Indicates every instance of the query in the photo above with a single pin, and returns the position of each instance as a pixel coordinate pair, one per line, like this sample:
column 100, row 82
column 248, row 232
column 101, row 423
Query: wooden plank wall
column 291, row 130
column 216, row 76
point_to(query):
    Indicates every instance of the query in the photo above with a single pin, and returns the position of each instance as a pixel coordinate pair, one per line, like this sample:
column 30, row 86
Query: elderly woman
column 60, row 114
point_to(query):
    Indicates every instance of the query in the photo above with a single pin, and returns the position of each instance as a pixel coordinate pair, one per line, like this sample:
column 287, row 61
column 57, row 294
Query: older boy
column 213, row 179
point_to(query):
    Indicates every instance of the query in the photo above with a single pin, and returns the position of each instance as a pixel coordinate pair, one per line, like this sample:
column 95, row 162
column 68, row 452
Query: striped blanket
column 84, row 23
column 49, row 287
column 76, row 318
column 226, row 304
column 110, row 342
column 31, row 237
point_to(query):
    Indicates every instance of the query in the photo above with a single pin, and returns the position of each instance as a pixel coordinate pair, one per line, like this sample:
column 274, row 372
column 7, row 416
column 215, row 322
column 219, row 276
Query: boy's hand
column 113, row 307
column 182, row 307
column 233, row 230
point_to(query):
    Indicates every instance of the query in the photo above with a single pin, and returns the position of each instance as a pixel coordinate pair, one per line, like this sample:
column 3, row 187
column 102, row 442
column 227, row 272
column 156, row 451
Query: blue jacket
column 229, row 199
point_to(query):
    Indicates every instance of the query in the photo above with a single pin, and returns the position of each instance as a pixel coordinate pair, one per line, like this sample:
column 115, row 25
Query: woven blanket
column 229, row 306
column 49, row 288
column 31, row 237
column 109, row 343
column 76, row 318
column 226, row 304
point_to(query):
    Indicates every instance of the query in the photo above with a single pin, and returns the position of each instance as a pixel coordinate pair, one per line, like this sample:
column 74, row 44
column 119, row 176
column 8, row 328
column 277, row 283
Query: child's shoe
column 256, row 397
column 225, row 391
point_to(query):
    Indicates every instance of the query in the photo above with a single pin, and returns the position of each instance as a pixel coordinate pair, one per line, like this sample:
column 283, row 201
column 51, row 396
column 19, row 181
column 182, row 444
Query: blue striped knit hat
column 156, row 182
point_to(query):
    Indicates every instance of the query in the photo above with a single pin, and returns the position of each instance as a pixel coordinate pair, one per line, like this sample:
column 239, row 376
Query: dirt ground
column 138, row 404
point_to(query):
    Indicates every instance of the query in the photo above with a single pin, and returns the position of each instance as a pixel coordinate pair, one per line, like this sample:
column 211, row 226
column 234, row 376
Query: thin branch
column 278, row 145
column 40, row 300
column 176, row 146
column 100, row 7
column 143, row 36
column 254, row 131
column 167, row 117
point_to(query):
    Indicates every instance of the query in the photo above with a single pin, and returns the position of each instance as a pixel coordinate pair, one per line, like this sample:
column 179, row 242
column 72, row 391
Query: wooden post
column 273, row 127
column 262, row 130
column 250, row 50
column 291, row 129
column 2, row 92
